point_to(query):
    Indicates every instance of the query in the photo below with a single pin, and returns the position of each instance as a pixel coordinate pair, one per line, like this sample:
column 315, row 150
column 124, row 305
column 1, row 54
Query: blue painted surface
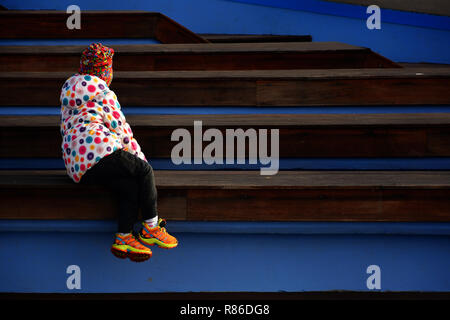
column 315, row 6
column 73, row 42
column 234, row 227
column 358, row 12
column 436, row 163
column 130, row 110
column 401, row 43
column 37, row 262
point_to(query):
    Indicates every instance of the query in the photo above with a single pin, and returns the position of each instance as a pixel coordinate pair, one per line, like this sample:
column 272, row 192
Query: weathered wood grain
column 242, row 196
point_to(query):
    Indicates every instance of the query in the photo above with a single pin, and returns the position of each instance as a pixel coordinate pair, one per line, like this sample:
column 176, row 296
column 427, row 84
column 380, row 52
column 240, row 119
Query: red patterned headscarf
column 97, row 60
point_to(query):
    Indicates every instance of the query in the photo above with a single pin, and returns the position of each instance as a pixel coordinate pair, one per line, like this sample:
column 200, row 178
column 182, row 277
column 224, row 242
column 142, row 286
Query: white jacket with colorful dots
column 92, row 125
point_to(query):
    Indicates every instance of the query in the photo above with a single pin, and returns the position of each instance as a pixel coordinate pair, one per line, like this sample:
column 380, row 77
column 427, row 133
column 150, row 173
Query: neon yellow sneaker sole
column 124, row 251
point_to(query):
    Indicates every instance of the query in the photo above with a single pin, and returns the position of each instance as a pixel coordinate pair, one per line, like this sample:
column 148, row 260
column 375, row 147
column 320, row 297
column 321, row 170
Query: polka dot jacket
column 92, row 125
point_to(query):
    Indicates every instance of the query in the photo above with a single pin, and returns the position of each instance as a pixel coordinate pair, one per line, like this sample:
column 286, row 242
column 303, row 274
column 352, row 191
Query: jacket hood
column 81, row 88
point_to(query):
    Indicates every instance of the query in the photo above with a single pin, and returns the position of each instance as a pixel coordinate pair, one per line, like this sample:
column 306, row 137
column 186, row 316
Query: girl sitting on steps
column 99, row 148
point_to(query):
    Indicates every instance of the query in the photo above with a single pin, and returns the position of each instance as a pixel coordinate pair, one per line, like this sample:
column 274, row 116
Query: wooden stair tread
column 200, row 56
column 168, row 179
column 47, row 24
column 371, row 86
column 300, row 135
column 253, row 38
column 190, row 48
column 242, row 196
column 311, row 74
column 252, row 120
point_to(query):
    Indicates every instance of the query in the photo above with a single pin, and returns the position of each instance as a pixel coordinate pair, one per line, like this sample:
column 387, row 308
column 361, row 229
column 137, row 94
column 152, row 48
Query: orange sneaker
column 157, row 235
column 128, row 247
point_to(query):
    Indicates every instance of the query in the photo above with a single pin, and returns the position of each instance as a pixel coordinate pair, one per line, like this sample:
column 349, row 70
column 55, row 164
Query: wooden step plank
column 324, row 205
column 94, row 203
column 243, row 196
column 199, row 56
column 441, row 72
column 253, row 38
column 299, row 180
column 386, row 86
column 42, row 24
column 422, row 65
column 185, row 48
column 300, row 135
column 253, row 120
column 294, row 143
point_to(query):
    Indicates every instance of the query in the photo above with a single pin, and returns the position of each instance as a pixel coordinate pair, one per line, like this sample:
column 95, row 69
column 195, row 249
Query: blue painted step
column 284, row 164
column 35, row 261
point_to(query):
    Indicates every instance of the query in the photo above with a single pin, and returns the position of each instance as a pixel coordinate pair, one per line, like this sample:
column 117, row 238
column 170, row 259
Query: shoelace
column 130, row 240
column 160, row 233
column 163, row 230
column 162, row 223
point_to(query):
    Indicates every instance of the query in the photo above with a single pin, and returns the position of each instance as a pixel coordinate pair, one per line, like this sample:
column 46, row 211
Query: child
column 98, row 148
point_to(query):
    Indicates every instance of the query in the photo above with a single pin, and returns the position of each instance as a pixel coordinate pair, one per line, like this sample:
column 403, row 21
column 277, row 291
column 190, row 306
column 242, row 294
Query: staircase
column 362, row 139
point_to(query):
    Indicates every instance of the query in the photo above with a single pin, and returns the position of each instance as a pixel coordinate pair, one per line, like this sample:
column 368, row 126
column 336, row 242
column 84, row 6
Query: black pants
column 132, row 182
